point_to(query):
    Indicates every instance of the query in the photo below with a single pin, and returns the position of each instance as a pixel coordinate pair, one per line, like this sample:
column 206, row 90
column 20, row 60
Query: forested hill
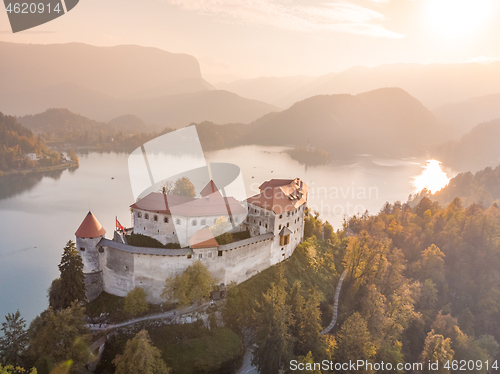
column 473, row 151
column 481, row 188
column 16, row 141
column 387, row 121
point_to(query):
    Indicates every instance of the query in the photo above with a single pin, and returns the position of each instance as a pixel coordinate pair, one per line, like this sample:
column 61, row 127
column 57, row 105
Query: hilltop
column 473, row 151
column 387, row 121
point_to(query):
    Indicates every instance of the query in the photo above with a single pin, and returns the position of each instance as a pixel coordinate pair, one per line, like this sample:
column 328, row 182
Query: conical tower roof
column 90, row 227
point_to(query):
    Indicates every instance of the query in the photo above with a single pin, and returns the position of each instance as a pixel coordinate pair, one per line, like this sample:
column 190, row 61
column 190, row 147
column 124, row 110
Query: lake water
column 38, row 215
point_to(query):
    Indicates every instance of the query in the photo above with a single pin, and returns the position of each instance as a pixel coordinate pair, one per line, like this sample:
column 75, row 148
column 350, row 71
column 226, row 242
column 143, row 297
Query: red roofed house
column 279, row 208
column 175, row 219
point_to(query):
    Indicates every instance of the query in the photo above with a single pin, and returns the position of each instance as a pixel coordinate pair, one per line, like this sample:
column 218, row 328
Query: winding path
column 335, row 305
column 172, row 313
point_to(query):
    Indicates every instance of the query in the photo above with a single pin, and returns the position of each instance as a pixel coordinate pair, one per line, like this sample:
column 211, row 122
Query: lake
column 39, row 214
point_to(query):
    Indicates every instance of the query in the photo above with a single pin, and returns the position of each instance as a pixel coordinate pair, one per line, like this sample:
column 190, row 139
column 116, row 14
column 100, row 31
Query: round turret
column 88, row 236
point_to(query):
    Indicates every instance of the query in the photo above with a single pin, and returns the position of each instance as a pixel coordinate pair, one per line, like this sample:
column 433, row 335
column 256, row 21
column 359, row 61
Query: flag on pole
column 119, row 225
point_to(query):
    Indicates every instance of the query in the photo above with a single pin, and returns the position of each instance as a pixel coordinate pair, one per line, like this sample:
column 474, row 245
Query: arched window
column 155, row 217
column 178, row 221
column 139, row 215
column 203, row 222
column 194, row 222
column 165, row 219
column 146, row 216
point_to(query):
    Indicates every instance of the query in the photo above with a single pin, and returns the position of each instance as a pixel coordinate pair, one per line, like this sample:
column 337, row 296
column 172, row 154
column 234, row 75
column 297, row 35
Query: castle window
column 101, row 250
column 288, row 214
column 210, row 255
column 288, row 224
column 219, row 253
column 189, row 256
column 165, row 219
column 279, row 228
column 266, row 225
column 194, row 222
column 155, row 217
column 146, row 216
column 200, row 256
column 203, row 222
column 260, row 223
column 178, row 221
column 82, row 249
column 281, row 216
column 139, row 215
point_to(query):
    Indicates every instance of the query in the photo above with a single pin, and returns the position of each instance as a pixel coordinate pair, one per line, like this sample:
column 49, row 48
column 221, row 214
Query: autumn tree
column 194, row 284
column 14, row 342
column 71, row 286
column 354, row 342
column 436, row 348
column 57, row 337
column 184, row 187
column 135, row 302
column 273, row 338
column 140, row 357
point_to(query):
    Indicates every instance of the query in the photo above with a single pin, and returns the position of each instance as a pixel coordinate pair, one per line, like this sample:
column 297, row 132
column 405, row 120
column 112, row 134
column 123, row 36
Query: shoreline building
column 274, row 218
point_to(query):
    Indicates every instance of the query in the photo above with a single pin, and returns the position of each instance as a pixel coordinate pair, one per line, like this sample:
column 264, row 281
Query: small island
column 309, row 155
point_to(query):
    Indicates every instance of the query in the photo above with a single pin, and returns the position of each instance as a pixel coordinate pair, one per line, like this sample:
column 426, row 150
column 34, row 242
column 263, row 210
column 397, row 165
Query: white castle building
column 274, row 218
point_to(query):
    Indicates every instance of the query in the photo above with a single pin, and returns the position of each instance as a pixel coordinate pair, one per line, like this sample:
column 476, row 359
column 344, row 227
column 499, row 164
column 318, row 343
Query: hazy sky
column 249, row 38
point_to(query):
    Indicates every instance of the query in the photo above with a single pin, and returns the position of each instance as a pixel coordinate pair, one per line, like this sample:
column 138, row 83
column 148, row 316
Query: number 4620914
column 470, row 365
column 32, row 8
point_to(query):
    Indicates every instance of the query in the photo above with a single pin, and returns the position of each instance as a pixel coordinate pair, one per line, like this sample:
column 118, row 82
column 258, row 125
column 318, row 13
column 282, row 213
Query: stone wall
column 93, row 285
column 122, row 271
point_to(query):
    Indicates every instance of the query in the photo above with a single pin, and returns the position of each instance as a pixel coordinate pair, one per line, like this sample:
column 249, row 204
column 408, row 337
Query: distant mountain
column 268, row 89
column 474, row 151
column 131, row 124
column 124, row 71
column 101, row 83
column 433, row 84
column 464, row 115
column 58, row 121
column 170, row 110
column 62, row 127
column 387, row 121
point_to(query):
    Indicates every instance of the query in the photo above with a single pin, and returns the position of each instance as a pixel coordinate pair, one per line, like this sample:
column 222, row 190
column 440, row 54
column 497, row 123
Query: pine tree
column 72, row 285
column 14, row 341
column 310, row 338
column 273, row 336
column 140, row 357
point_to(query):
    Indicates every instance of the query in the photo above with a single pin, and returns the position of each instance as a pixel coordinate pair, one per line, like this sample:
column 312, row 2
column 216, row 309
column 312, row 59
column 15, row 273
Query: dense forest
column 16, row 141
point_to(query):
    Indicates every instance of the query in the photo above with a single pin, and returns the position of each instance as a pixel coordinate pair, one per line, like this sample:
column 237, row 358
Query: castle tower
column 88, row 236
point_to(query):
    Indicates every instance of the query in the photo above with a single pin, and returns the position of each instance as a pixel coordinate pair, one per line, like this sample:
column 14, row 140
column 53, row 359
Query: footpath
column 336, row 304
column 179, row 312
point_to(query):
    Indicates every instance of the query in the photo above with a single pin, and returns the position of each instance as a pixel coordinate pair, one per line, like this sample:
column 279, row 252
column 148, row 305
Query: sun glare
column 433, row 177
column 458, row 18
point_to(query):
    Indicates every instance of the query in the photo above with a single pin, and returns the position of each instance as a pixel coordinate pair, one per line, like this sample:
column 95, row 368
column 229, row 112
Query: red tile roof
column 90, row 227
column 211, row 205
column 281, row 195
column 203, row 239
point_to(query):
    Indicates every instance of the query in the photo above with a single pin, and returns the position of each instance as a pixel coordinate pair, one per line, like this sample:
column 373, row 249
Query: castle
column 274, row 218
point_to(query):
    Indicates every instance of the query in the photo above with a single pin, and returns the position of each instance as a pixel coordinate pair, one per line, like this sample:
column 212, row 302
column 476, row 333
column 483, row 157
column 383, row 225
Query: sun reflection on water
column 433, row 178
